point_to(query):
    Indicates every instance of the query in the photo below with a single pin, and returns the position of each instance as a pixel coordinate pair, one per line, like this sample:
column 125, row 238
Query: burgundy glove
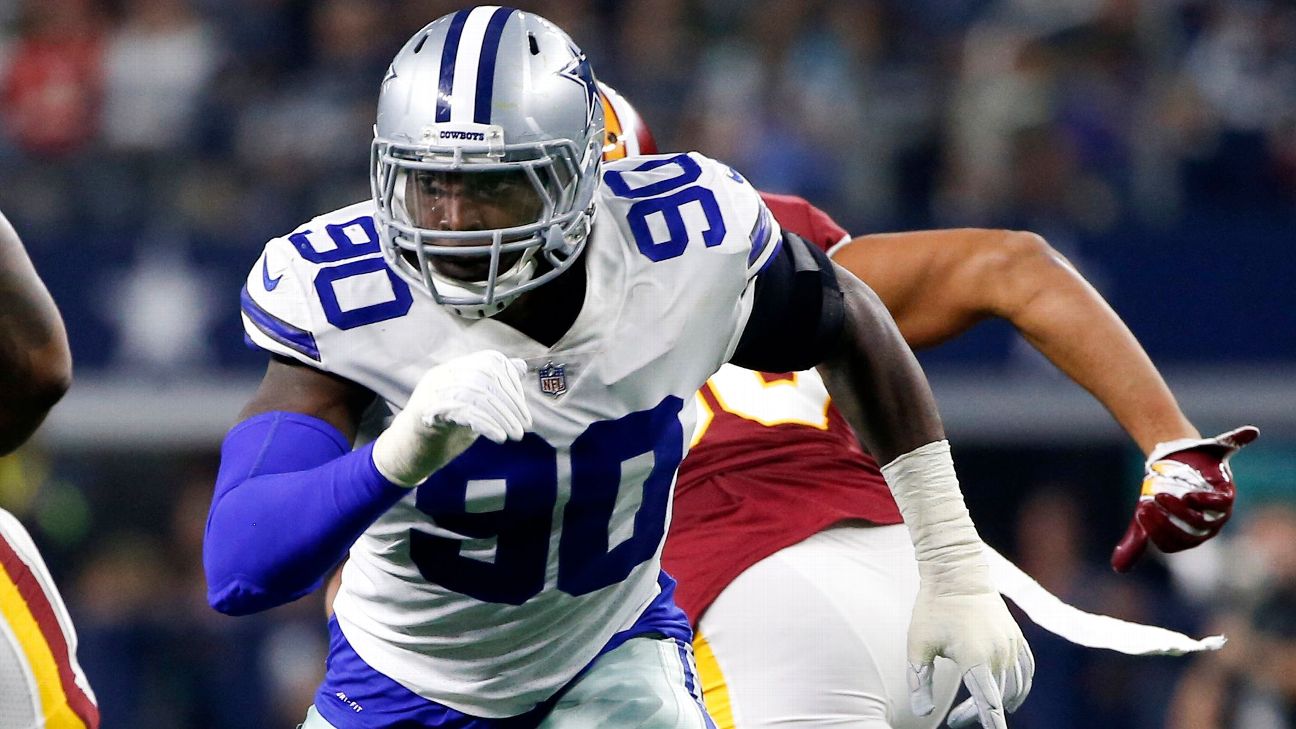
column 1187, row 495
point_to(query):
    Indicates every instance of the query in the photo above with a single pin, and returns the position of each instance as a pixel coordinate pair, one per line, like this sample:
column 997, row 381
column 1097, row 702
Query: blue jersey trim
column 761, row 234
column 690, row 680
column 688, row 669
column 293, row 337
column 354, row 695
column 778, row 244
column 661, row 617
column 486, row 65
column 448, row 55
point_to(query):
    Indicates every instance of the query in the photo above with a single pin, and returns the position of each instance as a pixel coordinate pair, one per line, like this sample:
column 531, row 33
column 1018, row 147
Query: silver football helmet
column 486, row 157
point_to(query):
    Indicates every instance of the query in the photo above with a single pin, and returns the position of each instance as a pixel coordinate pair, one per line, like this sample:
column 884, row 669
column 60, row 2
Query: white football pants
column 814, row 636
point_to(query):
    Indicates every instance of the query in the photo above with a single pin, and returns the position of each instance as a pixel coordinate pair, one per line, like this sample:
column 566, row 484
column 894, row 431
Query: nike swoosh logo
column 270, row 283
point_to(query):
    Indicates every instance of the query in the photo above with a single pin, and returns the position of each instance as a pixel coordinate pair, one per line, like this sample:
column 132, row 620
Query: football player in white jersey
column 538, row 322
column 41, row 683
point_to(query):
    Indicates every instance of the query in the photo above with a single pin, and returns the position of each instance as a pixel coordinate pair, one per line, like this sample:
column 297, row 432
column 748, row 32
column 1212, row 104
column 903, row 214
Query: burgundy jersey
column 773, row 462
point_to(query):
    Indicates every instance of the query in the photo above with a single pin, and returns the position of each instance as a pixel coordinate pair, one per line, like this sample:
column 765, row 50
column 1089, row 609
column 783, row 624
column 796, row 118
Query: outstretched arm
column 35, row 362
column 937, row 284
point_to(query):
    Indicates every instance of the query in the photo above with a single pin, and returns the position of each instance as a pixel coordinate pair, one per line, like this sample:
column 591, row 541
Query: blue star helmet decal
column 578, row 71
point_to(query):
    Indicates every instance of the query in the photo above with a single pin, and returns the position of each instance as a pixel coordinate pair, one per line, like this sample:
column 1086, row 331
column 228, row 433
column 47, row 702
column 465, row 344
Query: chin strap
column 519, row 273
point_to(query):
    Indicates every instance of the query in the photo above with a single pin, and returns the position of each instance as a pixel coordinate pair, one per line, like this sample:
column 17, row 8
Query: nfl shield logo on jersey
column 553, row 379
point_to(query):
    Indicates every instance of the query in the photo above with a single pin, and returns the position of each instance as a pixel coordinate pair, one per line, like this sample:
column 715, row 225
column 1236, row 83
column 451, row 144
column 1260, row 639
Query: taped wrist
column 945, row 542
column 409, row 450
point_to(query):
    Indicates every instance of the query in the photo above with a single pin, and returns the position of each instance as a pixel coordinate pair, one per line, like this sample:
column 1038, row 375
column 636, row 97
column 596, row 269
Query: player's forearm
column 875, row 380
column 291, row 498
column 1068, row 321
column 879, row 387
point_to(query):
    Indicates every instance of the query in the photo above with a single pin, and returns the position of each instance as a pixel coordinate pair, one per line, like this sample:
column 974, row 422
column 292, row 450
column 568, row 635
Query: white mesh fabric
column 19, row 702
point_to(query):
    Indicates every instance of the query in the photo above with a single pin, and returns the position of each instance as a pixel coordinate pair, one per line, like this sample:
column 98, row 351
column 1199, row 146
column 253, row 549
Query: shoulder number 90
column 668, row 213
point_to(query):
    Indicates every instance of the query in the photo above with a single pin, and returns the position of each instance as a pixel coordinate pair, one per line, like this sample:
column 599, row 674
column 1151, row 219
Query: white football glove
column 478, row 394
column 958, row 613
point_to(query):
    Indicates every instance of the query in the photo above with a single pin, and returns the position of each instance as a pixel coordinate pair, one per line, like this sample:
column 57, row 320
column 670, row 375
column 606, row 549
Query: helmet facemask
column 486, row 157
column 477, row 227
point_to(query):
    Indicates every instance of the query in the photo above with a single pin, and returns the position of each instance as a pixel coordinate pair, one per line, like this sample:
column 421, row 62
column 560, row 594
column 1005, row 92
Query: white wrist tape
column 945, row 541
column 408, row 452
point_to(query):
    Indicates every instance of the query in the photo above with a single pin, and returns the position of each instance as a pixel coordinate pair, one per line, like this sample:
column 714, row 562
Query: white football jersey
column 494, row 583
column 42, row 685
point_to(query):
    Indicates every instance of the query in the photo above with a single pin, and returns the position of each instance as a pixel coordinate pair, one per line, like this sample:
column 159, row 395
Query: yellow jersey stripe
column 28, row 611
column 715, row 693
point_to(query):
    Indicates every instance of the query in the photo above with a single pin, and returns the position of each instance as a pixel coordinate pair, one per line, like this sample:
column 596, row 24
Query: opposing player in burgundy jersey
column 784, row 527
column 760, row 435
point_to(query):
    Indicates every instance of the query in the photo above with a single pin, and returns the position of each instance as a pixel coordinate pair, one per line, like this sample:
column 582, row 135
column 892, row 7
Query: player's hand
column 478, row 394
column 1187, row 495
column 980, row 636
column 958, row 613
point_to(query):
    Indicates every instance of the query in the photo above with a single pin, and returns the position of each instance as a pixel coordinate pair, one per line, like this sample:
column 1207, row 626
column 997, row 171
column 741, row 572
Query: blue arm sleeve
column 291, row 498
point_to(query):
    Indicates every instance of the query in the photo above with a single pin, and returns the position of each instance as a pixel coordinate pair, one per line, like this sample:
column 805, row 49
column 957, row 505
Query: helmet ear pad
column 514, row 94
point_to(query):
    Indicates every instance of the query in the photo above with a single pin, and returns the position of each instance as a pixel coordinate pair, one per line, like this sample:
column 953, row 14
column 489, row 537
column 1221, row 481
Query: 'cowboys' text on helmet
column 485, row 157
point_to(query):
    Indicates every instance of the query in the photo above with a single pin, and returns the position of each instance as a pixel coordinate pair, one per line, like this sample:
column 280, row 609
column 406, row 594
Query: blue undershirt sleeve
column 291, row 497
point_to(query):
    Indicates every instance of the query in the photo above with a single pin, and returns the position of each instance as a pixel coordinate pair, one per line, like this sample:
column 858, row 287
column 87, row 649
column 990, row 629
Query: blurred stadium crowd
column 141, row 138
column 237, row 118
